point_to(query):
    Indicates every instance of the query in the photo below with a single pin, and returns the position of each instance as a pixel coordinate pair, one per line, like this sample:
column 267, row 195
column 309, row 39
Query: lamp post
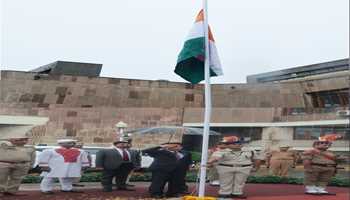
column 121, row 126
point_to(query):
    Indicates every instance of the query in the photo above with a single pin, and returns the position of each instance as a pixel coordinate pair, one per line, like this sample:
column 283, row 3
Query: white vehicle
column 145, row 160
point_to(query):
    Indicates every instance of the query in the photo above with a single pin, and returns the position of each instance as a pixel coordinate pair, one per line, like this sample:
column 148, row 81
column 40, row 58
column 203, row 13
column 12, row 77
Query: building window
column 312, row 133
column 329, row 99
column 251, row 133
column 189, row 97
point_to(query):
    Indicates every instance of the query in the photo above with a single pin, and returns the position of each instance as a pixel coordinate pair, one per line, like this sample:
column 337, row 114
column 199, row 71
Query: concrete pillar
column 272, row 137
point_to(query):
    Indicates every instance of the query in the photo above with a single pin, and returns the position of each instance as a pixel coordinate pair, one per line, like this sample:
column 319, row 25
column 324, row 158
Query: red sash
column 70, row 155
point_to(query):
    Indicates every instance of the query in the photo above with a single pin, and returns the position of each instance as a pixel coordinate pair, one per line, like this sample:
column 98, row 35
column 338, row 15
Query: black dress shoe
column 48, row 192
column 8, row 193
column 312, row 193
column 107, row 190
column 157, row 196
column 72, row 191
column 78, row 185
column 126, row 189
column 239, row 196
column 13, row 194
column 328, row 193
column 185, row 192
column 225, row 196
column 172, row 195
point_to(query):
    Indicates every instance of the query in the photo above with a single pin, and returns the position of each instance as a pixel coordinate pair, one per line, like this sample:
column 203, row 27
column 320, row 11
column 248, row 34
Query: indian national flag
column 190, row 62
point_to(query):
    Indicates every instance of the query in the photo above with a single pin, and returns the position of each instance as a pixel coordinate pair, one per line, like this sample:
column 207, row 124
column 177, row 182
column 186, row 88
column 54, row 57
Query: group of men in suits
column 169, row 166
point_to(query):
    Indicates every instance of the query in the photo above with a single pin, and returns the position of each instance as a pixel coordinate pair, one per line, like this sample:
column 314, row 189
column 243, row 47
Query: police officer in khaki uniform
column 212, row 174
column 320, row 166
column 234, row 166
column 280, row 161
column 15, row 161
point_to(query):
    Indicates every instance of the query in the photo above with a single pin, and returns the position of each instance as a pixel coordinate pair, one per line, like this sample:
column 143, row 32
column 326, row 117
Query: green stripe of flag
column 192, row 70
column 192, row 48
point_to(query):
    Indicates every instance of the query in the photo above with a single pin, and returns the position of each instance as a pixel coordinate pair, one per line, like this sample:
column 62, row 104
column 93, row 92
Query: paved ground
column 254, row 192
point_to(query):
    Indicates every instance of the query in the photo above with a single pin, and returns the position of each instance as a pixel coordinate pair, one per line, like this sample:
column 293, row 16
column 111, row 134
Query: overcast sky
column 141, row 38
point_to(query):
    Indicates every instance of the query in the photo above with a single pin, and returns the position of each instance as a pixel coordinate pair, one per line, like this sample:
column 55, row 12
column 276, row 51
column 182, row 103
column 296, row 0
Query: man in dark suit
column 183, row 165
column 163, row 168
column 115, row 162
column 135, row 159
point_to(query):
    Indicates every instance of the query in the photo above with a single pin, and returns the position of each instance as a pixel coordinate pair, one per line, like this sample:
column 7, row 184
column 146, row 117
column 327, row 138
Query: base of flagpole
column 198, row 198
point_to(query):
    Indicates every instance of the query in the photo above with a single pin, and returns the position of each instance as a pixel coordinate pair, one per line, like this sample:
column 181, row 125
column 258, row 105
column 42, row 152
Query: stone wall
column 87, row 92
column 87, row 108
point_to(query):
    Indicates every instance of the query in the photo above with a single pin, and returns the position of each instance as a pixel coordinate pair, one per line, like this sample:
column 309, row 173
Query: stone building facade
column 87, row 108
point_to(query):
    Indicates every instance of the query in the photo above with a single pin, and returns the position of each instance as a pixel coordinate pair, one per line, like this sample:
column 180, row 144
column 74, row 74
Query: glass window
column 312, row 133
column 327, row 131
column 306, row 133
column 328, row 99
column 253, row 133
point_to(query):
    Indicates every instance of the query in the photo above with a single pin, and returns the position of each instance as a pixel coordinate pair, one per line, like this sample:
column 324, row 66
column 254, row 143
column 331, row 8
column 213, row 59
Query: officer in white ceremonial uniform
column 234, row 166
column 64, row 163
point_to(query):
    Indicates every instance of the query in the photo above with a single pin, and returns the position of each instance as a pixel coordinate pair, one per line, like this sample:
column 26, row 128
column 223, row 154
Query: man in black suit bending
column 163, row 168
column 115, row 162
column 183, row 165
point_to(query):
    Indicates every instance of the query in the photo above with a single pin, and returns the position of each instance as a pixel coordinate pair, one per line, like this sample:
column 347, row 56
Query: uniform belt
column 324, row 165
column 283, row 159
column 10, row 162
column 228, row 165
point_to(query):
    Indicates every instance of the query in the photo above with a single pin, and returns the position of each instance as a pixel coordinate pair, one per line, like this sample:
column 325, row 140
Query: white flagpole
column 207, row 114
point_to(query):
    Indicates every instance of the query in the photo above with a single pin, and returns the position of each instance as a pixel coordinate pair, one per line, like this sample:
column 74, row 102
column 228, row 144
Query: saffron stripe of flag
column 190, row 62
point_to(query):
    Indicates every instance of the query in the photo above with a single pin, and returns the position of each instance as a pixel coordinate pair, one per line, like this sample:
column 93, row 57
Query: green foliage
column 274, row 180
column 192, row 176
column 91, row 177
column 264, row 179
column 147, row 176
column 196, row 156
column 31, row 179
column 342, row 182
column 296, row 181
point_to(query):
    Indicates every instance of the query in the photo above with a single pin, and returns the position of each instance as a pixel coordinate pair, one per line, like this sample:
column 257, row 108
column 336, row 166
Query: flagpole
column 207, row 114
